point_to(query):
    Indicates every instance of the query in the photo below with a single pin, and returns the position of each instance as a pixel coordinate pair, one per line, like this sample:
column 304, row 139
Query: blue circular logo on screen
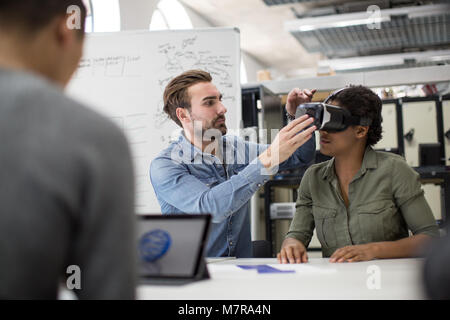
column 154, row 244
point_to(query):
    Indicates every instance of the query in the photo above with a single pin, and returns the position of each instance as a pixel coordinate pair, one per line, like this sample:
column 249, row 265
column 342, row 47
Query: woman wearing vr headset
column 362, row 202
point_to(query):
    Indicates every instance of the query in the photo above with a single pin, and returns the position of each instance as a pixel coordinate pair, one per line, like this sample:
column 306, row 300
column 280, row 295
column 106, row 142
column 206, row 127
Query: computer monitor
column 429, row 154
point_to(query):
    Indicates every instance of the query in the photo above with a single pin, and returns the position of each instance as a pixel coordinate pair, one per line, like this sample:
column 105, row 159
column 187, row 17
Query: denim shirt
column 187, row 180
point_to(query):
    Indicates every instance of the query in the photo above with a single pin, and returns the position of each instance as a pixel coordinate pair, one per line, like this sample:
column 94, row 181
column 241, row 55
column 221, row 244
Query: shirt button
column 231, row 243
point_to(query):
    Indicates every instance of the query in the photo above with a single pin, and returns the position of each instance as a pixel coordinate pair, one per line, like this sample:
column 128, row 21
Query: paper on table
column 217, row 270
column 303, row 268
column 264, row 268
column 235, row 270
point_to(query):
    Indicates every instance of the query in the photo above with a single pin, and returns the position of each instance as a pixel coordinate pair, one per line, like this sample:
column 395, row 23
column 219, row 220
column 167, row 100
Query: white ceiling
column 262, row 32
column 264, row 37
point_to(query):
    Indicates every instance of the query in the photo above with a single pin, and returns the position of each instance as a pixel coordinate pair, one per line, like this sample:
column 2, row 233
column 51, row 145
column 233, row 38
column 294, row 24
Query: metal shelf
column 371, row 79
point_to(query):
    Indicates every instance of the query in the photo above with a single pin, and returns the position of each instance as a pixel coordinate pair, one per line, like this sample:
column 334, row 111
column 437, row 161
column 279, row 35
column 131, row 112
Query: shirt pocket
column 378, row 221
column 325, row 221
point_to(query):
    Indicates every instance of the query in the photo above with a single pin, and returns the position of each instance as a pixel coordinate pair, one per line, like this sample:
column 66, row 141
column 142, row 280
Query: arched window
column 103, row 15
column 88, row 23
column 158, row 22
column 170, row 14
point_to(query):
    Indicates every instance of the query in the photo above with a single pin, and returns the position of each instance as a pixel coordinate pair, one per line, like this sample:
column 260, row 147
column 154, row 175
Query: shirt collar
column 370, row 159
column 369, row 162
column 188, row 148
column 328, row 173
column 196, row 153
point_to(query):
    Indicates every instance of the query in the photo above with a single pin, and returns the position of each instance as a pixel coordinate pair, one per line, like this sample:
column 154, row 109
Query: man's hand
column 287, row 141
column 297, row 97
column 292, row 251
column 362, row 252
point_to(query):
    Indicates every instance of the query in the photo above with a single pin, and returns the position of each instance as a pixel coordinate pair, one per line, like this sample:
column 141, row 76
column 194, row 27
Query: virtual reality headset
column 330, row 118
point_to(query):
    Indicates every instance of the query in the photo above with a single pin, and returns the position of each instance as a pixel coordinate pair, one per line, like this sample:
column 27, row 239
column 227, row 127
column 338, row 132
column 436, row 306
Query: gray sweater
column 66, row 195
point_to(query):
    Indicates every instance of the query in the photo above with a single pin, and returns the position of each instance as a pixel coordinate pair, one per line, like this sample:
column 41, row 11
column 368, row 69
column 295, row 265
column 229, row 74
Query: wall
column 252, row 66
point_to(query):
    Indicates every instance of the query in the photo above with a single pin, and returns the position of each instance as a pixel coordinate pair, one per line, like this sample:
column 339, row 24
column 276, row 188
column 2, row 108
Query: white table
column 318, row 279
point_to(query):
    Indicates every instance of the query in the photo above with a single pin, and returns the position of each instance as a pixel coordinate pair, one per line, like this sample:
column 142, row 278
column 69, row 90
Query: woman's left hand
column 362, row 252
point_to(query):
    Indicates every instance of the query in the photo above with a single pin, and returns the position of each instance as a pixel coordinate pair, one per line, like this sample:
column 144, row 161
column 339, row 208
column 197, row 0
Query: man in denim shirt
column 208, row 172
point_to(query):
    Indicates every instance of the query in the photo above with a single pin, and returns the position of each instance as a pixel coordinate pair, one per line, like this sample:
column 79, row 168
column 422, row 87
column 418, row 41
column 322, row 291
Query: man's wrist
column 268, row 165
column 289, row 116
column 265, row 159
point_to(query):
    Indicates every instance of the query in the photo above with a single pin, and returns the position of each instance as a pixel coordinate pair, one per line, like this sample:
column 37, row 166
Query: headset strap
column 353, row 120
column 358, row 121
column 333, row 94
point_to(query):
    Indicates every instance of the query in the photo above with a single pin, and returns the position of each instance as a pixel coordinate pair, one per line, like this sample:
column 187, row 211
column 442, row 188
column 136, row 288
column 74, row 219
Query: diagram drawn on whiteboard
column 183, row 57
column 113, row 66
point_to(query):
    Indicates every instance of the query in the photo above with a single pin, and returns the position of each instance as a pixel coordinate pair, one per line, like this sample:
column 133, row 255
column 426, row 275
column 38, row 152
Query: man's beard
column 221, row 126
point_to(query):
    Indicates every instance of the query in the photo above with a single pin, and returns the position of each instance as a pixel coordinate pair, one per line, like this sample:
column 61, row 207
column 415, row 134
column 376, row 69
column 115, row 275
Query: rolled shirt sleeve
column 409, row 197
column 302, row 225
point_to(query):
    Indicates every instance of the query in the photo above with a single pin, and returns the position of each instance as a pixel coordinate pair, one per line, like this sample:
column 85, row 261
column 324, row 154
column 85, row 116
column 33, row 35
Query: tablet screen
column 169, row 246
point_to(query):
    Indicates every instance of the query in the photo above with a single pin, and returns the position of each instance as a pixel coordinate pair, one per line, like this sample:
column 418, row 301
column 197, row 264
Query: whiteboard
column 123, row 75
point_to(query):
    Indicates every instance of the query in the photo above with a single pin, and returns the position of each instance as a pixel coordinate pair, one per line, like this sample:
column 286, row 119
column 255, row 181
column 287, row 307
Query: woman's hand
column 292, row 251
column 362, row 252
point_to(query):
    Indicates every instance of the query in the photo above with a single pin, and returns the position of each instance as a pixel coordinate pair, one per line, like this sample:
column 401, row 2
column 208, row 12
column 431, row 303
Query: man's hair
column 176, row 92
column 362, row 102
column 30, row 16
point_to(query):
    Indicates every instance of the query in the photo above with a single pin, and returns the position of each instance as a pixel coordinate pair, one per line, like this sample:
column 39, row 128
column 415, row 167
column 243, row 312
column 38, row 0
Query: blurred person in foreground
column 66, row 181
column 436, row 270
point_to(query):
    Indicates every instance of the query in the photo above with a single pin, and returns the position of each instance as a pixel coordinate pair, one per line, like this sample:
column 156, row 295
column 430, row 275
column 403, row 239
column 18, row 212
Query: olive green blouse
column 385, row 201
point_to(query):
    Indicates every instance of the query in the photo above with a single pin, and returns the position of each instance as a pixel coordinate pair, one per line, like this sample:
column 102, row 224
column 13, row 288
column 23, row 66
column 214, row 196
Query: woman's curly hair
column 362, row 102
